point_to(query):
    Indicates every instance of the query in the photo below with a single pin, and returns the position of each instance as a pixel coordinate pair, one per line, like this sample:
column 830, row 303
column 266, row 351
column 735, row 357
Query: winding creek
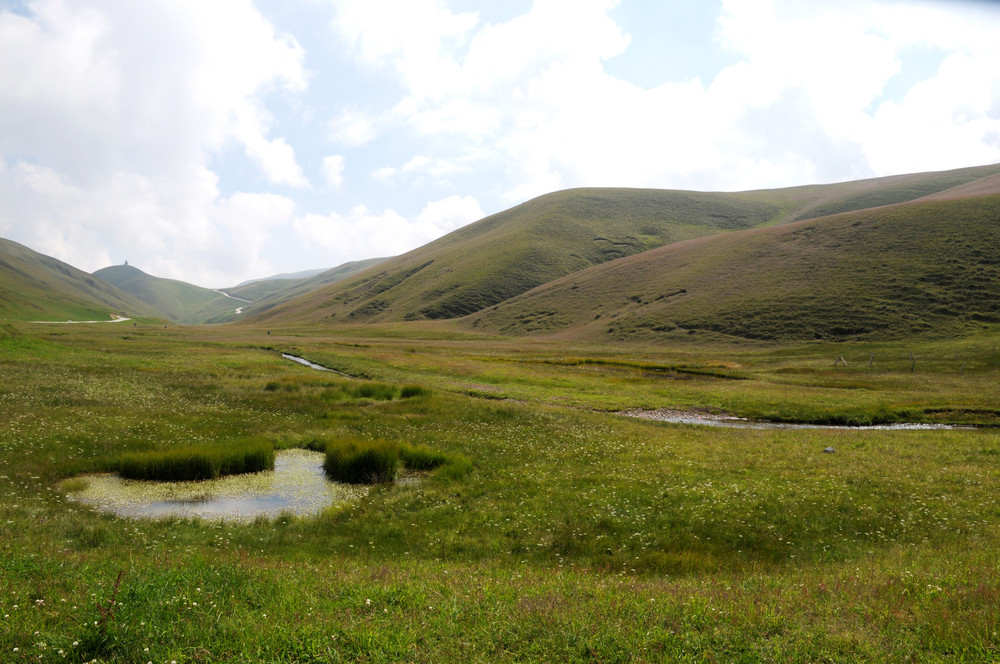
column 687, row 417
column 313, row 365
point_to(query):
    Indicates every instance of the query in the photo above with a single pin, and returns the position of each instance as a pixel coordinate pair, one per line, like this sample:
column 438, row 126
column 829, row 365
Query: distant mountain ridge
column 267, row 293
column 188, row 304
column 873, row 259
column 297, row 276
column 179, row 301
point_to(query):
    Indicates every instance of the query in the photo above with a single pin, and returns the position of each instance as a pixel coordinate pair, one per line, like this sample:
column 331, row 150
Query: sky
column 221, row 141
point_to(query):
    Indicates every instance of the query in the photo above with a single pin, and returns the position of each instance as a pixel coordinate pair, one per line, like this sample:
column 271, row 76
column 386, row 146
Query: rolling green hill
column 922, row 268
column 815, row 201
column 555, row 235
column 35, row 287
column 268, row 293
column 179, row 301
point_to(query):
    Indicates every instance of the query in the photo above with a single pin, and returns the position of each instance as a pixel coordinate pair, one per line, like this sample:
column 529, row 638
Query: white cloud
column 110, row 114
column 333, row 170
column 363, row 232
column 531, row 96
column 421, row 166
column 413, row 38
column 146, row 86
column 178, row 228
column 949, row 121
column 275, row 157
column 446, row 215
column 353, row 127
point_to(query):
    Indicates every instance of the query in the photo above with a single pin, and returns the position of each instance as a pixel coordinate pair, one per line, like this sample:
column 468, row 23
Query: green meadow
column 544, row 526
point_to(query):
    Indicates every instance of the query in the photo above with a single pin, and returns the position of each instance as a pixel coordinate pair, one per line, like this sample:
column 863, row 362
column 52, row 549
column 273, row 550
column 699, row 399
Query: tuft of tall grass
column 362, row 461
column 421, row 457
column 187, row 464
column 366, row 390
column 412, row 391
column 377, row 391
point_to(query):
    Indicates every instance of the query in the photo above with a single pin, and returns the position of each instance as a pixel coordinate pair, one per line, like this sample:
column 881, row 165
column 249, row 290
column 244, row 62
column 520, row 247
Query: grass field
column 578, row 535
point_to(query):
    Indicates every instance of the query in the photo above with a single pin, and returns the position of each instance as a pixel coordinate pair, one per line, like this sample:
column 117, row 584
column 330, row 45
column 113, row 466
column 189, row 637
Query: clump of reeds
column 191, row 463
column 376, row 461
column 348, row 390
column 421, row 457
column 377, row 391
column 362, row 461
column 412, row 391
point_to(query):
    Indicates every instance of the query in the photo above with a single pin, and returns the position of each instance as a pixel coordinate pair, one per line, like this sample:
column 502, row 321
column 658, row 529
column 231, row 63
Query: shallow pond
column 297, row 485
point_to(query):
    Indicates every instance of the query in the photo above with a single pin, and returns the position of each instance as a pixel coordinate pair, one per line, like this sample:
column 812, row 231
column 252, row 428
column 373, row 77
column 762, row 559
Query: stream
column 313, row 365
column 686, row 417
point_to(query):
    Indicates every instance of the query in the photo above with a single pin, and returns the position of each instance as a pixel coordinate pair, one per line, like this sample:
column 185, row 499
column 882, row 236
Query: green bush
column 186, row 464
column 362, row 462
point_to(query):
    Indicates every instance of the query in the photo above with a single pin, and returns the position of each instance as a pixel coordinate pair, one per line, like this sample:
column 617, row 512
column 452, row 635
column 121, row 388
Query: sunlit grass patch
column 421, row 457
column 362, row 461
column 191, row 463
column 75, row 484
column 457, row 467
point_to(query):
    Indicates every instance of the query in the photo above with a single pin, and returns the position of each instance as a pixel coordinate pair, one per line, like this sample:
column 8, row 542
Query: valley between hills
column 527, row 514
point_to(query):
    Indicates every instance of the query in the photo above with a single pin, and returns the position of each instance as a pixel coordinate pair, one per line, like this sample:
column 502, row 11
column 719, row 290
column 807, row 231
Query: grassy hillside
column 511, row 252
column 179, row 301
column 929, row 267
column 268, row 293
column 38, row 287
column 822, row 200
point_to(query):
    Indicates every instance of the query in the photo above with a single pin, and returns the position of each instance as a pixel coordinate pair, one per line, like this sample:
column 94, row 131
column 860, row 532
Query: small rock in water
column 829, row 450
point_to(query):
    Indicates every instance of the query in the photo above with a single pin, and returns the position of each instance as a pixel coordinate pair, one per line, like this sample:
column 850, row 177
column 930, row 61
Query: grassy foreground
column 579, row 535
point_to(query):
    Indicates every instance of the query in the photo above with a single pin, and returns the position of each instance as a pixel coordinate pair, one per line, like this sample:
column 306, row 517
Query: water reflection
column 313, row 365
column 682, row 417
column 297, row 485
